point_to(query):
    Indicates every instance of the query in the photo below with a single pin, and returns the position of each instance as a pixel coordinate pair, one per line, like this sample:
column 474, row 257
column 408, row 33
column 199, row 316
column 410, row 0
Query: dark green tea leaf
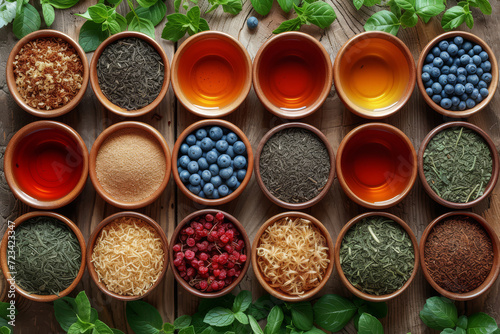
column 143, row 318
column 439, row 313
column 333, row 312
column 368, row 324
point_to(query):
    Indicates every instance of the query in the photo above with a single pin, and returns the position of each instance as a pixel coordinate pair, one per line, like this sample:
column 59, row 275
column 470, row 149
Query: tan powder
column 130, row 165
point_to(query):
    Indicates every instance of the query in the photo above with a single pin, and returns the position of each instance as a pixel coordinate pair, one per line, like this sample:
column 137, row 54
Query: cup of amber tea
column 374, row 74
column 376, row 165
column 292, row 75
column 211, row 74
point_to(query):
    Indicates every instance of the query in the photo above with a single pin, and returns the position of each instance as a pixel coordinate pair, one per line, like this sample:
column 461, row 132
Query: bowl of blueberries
column 457, row 74
column 212, row 162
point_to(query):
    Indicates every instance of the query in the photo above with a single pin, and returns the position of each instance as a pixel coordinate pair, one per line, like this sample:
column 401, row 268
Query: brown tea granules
column 458, row 254
column 48, row 73
column 130, row 165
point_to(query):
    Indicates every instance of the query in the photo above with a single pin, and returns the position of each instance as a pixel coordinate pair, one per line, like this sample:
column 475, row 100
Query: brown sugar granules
column 458, row 254
column 48, row 73
column 130, row 165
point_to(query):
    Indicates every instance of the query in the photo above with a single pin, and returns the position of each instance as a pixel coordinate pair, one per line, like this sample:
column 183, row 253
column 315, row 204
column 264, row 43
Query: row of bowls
column 359, row 44
column 333, row 256
column 410, row 162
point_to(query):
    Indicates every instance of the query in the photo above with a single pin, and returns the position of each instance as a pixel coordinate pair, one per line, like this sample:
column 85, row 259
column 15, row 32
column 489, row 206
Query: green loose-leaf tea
column 294, row 165
column 130, row 73
column 457, row 164
column 377, row 255
column 47, row 256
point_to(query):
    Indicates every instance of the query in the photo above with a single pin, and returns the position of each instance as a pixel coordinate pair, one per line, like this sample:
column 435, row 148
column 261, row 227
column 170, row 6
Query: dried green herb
column 457, row 164
column 130, row 73
column 47, row 256
column 377, row 256
column 294, row 165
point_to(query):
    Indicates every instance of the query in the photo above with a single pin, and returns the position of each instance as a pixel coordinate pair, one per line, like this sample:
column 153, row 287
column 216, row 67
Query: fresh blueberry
column 458, row 40
column 203, row 163
column 484, row 92
column 425, row 69
column 437, row 88
column 429, row 91
column 443, row 45
column 479, row 98
column 436, row 98
column 241, row 174
column 486, row 66
column 208, row 189
column 194, row 152
column 461, row 71
column 212, row 156
column 226, row 173
column 184, row 176
column 194, row 179
column 240, row 162
column 223, row 190
column 201, row 133
column 473, row 79
column 230, row 152
column 184, row 161
column 471, row 53
column 194, row 189
column 443, row 79
column 231, row 138
column 453, row 69
column 449, row 62
column 460, row 53
column 231, row 183
column 201, row 194
column 459, row 89
column 426, row 77
column 469, row 88
column 452, row 50
column 215, row 194
column 216, row 181
column 438, row 62
column 477, row 49
column 483, row 55
column 462, row 79
column 476, row 60
column 429, row 83
column 207, row 144
column 429, row 58
column 470, row 103
column 214, row 169
column 184, row 148
column 252, row 22
column 443, row 94
column 206, row 175
column 462, row 105
column 224, row 161
column 221, row 146
column 435, row 72
column 239, row 147
column 215, row 133
column 193, row 167
column 446, row 103
column 449, row 89
column 464, row 60
column 445, row 70
column 444, row 56
column 471, row 68
column 191, row 140
column 474, row 94
column 452, row 79
column 464, row 97
column 482, row 84
column 455, row 101
column 436, row 51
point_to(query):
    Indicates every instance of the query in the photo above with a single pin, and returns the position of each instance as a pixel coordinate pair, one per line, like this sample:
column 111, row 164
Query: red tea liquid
column 47, row 164
column 292, row 74
column 212, row 73
column 376, row 165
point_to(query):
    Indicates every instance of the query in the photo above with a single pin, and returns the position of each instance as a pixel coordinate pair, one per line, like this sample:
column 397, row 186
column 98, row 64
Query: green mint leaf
column 48, row 14
column 320, row 13
column 481, row 323
column 263, row 7
column 85, row 15
column 232, row 7
column 409, row 19
column 241, row 317
column 358, row 4
column 98, row 13
column 370, row 3
column 289, row 25
column 65, row 312
column 383, row 21
column 439, row 313
column 394, row 8
column 286, row 5
column 302, row 315
column 214, row 7
column 314, row 330
column 378, row 310
column 113, row 26
column 7, row 13
column 182, row 321
column 80, row 327
column 143, row 318
column 219, row 317
column 406, row 4
column 62, row 4
column 203, row 25
column 368, row 324
column 117, row 331
column 155, row 13
column 453, row 18
column 193, row 16
column 175, row 27
column 209, row 330
column 426, row 9
column 101, row 328
column 187, row 330
column 142, row 25
column 254, row 325
column 19, row 6
column 5, row 308
column 469, row 20
column 177, row 5
column 483, row 5
column 5, row 330
column 462, row 322
column 122, row 22
column 333, row 312
column 274, row 320
column 453, row 331
column 83, row 306
column 242, row 301
column 168, row 328
column 28, row 21
column 146, row 3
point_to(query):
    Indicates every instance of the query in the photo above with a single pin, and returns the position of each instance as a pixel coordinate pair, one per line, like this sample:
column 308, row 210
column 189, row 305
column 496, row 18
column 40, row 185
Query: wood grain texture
column 252, row 208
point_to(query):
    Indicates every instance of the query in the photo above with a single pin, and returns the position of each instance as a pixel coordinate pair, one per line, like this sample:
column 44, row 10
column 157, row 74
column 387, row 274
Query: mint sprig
column 318, row 13
column 179, row 24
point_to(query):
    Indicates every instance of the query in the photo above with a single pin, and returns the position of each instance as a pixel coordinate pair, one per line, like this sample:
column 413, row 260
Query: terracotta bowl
column 94, row 82
column 386, row 183
column 174, row 240
column 260, row 277
column 343, row 278
column 93, row 157
column 11, row 83
column 292, row 57
column 331, row 176
column 370, row 44
column 494, row 156
column 26, row 186
column 175, row 156
column 490, row 279
column 7, row 239
column 215, row 58
column 492, row 86
column 92, row 241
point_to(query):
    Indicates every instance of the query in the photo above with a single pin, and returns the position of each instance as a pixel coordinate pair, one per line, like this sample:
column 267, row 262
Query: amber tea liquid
column 374, row 74
column 292, row 74
column 376, row 165
column 212, row 73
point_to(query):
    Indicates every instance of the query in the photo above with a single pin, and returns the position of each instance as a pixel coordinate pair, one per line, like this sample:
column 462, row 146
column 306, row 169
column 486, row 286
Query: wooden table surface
column 252, row 208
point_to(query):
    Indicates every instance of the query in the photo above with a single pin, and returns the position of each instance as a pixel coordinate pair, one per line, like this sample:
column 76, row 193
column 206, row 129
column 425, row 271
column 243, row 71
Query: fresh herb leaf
column 314, row 330
column 462, row 322
column 469, row 20
column 219, row 317
column 453, row 18
column 274, row 320
column 80, row 327
column 65, row 310
column 483, row 5
column 168, row 328
column 143, row 318
column 27, row 21
column 176, row 27
column 409, row 19
column 182, row 321
column 320, row 13
column 481, row 323
column 286, row 5
column 439, row 313
column 62, row 4
column 263, row 7
column 122, row 22
column 429, row 8
column 302, row 315
column 5, row 330
column 289, row 25
column 155, row 13
column 383, row 21
column 48, row 14
column 203, row 25
column 187, row 330
column 142, row 25
column 232, row 6
column 241, row 317
column 146, row 3
column 260, row 309
column 7, row 12
column 333, row 312
column 98, row 13
column 378, row 310
column 101, row 328
column 83, row 306
column 242, row 301
column 91, row 35
column 368, row 324
column 406, row 4
column 358, row 4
